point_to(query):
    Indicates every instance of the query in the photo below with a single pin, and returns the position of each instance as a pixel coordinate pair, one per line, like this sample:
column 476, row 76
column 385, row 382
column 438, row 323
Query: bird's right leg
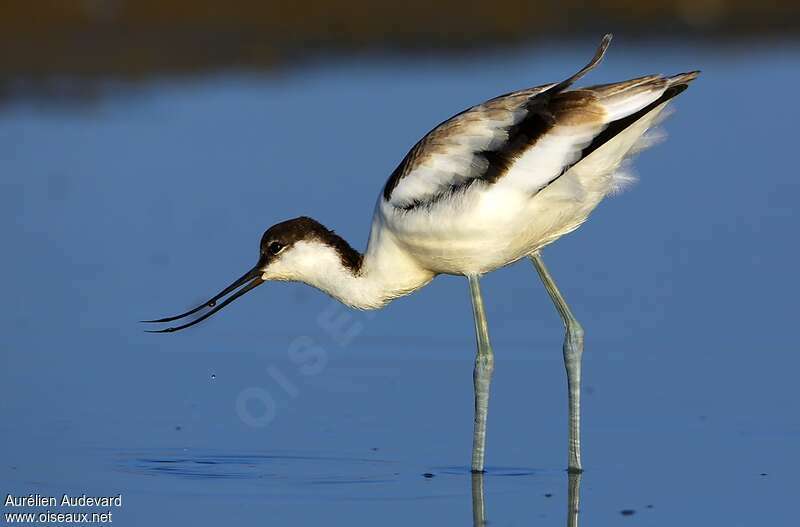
column 573, row 350
column 482, row 375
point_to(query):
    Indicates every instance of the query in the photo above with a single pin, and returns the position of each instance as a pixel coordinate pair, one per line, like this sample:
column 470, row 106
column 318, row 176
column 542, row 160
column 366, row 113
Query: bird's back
column 501, row 179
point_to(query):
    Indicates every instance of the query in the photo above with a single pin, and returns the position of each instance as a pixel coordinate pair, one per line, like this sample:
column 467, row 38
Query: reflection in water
column 573, row 498
column 302, row 468
column 478, row 503
column 479, row 500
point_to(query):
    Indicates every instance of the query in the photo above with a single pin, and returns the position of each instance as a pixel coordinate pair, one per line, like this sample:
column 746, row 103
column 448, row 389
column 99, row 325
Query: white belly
column 493, row 229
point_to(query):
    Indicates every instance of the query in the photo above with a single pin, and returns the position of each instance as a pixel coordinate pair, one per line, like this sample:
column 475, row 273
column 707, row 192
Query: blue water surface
column 151, row 197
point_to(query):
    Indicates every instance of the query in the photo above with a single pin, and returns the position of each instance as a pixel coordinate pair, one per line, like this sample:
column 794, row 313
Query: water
column 288, row 409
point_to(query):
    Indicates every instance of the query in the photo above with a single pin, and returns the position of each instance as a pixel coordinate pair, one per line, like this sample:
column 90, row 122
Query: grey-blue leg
column 482, row 375
column 573, row 349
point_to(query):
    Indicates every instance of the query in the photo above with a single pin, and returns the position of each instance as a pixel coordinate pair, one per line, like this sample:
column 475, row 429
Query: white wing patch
column 549, row 156
column 452, row 155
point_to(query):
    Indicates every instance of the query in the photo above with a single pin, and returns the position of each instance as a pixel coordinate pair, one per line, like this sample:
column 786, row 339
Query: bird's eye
column 275, row 247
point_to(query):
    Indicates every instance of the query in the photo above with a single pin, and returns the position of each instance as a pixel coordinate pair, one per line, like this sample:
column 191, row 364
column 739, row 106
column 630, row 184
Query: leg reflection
column 478, row 504
column 573, row 499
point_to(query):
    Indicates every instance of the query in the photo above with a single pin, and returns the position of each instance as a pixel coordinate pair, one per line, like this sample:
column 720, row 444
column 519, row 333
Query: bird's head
column 300, row 249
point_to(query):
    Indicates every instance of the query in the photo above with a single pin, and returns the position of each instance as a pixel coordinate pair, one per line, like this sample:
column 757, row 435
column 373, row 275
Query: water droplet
column 213, row 376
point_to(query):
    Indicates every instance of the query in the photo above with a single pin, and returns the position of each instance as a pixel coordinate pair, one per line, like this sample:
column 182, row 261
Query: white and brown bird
column 487, row 187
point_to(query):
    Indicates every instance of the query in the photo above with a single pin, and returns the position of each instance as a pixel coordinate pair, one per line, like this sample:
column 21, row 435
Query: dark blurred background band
column 142, row 38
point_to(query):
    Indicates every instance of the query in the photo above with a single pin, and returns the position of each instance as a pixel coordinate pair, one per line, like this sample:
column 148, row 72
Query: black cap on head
column 286, row 233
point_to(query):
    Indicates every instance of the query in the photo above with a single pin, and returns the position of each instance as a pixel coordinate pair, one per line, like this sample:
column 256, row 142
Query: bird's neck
column 364, row 281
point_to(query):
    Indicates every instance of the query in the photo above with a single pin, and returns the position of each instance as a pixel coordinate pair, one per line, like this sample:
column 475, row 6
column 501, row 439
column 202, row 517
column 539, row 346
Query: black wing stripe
column 617, row 127
column 521, row 136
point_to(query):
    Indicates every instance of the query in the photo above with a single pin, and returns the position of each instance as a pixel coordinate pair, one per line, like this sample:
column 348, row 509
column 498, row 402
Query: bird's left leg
column 482, row 375
column 573, row 350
